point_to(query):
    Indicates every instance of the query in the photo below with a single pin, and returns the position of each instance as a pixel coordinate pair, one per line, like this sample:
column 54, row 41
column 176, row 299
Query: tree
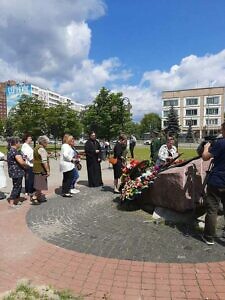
column 189, row 137
column 1, row 127
column 62, row 119
column 173, row 127
column 150, row 122
column 28, row 116
column 108, row 115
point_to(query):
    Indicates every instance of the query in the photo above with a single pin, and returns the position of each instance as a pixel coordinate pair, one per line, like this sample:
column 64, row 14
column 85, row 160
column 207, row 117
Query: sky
column 138, row 47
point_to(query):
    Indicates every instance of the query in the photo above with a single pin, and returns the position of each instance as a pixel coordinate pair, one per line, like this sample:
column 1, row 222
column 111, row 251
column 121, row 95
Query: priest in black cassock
column 93, row 160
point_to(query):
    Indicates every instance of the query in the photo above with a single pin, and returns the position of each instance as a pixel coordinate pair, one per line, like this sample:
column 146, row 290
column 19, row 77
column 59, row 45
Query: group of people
column 33, row 164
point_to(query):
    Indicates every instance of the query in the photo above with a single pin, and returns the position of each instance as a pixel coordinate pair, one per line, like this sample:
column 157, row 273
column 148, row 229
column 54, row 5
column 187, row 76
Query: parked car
column 82, row 141
column 147, row 142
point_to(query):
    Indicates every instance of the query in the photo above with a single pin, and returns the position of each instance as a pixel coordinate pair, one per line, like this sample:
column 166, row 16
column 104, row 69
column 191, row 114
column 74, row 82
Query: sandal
column 34, row 200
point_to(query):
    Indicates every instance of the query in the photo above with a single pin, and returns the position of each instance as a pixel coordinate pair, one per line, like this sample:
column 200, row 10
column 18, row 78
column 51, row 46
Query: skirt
column 40, row 182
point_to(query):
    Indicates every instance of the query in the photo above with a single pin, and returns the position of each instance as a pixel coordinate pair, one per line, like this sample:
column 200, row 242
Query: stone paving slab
column 25, row 255
column 93, row 222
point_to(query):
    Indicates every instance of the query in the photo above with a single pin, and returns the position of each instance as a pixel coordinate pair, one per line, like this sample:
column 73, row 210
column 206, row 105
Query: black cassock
column 93, row 164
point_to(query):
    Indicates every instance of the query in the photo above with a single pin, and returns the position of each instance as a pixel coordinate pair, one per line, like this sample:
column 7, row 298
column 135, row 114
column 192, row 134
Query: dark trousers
column 132, row 150
column 212, row 202
column 67, row 180
column 29, row 180
column 17, row 187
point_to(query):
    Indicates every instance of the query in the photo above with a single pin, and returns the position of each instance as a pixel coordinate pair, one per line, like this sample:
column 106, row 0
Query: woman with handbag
column 16, row 166
column 118, row 155
column 67, row 161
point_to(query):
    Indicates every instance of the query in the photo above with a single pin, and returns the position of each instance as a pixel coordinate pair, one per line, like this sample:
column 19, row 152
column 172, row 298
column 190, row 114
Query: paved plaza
column 96, row 248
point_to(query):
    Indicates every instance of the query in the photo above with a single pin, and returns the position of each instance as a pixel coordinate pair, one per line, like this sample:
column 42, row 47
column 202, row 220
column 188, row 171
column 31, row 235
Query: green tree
column 28, row 116
column 1, row 127
column 190, row 137
column 62, row 119
column 173, row 127
column 150, row 122
column 108, row 115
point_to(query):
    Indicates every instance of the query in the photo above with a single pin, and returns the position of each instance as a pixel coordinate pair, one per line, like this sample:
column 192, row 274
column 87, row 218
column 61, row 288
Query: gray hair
column 43, row 139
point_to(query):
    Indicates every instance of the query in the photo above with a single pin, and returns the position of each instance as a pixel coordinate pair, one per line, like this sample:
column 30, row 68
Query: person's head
column 70, row 140
column 43, row 140
column 122, row 139
column 223, row 129
column 27, row 138
column 92, row 135
column 170, row 142
column 14, row 142
column 65, row 137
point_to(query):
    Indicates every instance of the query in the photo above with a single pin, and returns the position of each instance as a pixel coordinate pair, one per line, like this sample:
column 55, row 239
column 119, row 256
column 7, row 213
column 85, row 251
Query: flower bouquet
column 136, row 177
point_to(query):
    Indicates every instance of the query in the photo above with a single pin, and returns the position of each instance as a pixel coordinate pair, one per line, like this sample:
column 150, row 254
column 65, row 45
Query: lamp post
column 125, row 105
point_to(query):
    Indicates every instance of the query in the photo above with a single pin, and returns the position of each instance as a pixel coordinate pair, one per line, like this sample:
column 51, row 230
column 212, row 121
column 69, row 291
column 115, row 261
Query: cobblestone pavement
column 92, row 222
column 27, row 255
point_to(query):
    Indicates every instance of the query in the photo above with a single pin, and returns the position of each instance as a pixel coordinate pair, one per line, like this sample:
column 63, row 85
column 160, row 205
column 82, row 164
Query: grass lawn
column 142, row 153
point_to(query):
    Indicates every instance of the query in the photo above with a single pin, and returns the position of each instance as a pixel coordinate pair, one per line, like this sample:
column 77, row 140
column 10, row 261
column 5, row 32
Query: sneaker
column 67, row 195
column 74, row 191
column 208, row 240
column 116, row 191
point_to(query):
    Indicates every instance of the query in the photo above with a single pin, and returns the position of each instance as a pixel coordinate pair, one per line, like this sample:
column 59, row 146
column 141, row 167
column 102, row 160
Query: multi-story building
column 3, row 101
column 203, row 108
column 10, row 93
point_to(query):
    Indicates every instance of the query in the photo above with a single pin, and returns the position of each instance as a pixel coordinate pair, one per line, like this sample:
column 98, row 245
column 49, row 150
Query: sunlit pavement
column 25, row 255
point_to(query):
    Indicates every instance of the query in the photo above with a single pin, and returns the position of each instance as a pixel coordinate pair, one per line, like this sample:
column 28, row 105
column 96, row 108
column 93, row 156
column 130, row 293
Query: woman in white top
column 2, row 175
column 167, row 152
column 28, row 155
column 67, row 161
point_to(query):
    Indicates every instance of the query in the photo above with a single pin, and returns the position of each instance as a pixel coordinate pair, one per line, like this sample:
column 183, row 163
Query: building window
column 211, row 121
column 191, row 122
column 191, row 112
column 166, row 113
column 164, row 123
column 212, row 111
column 213, row 100
column 192, row 101
column 171, row 102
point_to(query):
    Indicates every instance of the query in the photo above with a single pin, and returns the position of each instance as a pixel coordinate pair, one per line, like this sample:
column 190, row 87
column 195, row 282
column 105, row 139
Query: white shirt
column 29, row 154
column 2, row 174
column 164, row 152
column 66, row 155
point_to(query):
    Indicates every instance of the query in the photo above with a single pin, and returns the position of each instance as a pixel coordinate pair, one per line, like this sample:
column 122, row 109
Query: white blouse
column 66, row 155
column 165, row 153
column 28, row 151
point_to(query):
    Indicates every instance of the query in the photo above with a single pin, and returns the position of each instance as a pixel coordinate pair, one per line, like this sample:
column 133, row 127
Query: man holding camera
column 215, row 185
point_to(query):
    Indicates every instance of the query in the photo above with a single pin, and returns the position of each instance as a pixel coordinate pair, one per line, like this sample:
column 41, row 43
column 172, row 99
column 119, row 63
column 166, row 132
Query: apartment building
column 203, row 108
column 10, row 93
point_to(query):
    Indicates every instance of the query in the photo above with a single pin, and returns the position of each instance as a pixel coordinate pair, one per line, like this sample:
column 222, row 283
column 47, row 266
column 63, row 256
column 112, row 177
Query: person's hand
column 169, row 159
column 97, row 151
column 207, row 145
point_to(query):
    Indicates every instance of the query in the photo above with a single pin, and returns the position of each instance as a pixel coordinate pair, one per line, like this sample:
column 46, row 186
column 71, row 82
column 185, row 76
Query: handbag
column 78, row 165
column 112, row 160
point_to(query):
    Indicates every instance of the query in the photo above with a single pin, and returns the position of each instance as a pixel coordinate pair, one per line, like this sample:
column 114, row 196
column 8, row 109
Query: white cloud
column 192, row 72
column 48, row 44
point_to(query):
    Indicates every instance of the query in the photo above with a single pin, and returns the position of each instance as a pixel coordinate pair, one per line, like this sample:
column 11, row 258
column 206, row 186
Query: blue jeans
column 75, row 177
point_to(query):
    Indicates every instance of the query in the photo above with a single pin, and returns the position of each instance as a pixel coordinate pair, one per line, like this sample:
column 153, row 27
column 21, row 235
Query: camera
column 207, row 139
